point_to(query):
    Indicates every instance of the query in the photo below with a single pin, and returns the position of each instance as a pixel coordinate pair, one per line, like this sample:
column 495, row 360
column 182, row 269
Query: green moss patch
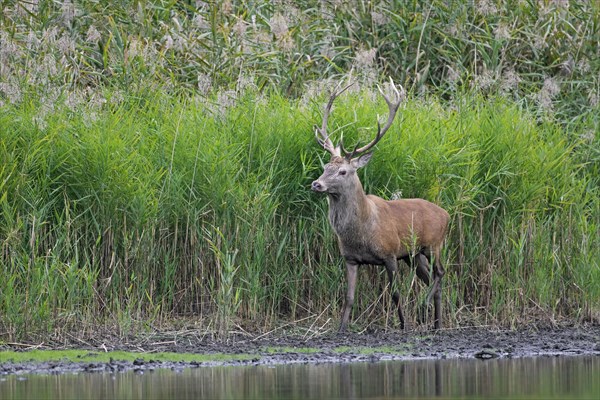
column 287, row 349
column 372, row 350
column 91, row 356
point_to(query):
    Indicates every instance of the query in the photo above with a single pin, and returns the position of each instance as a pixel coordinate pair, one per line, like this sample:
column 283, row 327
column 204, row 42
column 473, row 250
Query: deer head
column 339, row 174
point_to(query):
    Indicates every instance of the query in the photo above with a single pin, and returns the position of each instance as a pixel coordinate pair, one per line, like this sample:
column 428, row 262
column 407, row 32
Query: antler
column 324, row 140
column 393, row 107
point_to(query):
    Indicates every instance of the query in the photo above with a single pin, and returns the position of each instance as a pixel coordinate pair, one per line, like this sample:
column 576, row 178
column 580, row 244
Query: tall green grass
column 157, row 207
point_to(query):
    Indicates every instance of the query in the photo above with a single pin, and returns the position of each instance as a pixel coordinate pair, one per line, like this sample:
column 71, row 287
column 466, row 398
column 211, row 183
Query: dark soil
column 483, row 343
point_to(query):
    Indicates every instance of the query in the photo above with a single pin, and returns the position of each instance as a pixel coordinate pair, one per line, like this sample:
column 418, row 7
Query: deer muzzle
column 318, row 187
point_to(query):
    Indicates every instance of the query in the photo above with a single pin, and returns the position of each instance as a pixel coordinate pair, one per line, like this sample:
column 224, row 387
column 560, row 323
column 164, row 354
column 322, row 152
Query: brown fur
column 371, row 230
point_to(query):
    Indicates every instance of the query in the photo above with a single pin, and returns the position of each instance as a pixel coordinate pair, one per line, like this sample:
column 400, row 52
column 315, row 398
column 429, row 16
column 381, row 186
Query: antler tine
column 393, row 107
column 324, row 139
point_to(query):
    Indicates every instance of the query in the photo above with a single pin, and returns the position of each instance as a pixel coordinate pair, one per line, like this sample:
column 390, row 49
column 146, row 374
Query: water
column 527, row 378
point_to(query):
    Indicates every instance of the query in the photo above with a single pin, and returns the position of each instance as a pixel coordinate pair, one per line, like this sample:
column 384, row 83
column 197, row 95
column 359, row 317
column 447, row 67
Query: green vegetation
column 155, row 159
column 160, row 209
column 95, row 356
column 543, row 53
column 87, row 356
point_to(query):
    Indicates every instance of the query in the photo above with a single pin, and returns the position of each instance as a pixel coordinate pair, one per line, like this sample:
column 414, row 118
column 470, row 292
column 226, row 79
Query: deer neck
column 349, row 212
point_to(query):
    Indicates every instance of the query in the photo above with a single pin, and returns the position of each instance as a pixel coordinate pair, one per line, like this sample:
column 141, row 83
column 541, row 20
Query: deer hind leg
column 419, row 262
column 351, row 272
column 391, row 267
column 422, row 269
column 421, row 265
column 436, row 287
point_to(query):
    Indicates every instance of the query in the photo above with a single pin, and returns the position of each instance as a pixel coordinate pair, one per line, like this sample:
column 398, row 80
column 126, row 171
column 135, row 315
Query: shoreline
column 461, row 343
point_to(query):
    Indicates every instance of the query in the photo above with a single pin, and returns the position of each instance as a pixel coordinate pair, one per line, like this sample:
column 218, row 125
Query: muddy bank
column 330, row 348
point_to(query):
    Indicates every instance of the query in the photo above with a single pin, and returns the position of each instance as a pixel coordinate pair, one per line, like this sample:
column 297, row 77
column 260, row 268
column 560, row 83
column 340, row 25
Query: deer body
column 374, row 231
column 368, row 231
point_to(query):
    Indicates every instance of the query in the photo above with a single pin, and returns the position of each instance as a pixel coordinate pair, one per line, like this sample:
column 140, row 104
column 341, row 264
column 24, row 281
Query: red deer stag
column 374, row 231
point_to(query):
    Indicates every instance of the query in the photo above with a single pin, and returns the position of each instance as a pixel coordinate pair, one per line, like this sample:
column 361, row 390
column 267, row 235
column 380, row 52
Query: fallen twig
column 315, row 321
column 281, row 327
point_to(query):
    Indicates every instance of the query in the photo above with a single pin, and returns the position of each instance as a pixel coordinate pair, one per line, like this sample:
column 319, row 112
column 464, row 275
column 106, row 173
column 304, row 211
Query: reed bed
column 162, row 208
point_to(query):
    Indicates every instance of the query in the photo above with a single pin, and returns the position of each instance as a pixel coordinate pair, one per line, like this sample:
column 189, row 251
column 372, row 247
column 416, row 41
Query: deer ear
column 362, row 160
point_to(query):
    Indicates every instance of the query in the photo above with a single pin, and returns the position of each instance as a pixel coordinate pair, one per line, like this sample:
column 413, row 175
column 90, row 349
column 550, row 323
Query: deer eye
column 342, row 172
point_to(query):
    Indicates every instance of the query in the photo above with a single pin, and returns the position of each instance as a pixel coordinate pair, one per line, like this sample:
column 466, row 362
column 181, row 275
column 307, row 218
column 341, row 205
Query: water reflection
column 544, row 377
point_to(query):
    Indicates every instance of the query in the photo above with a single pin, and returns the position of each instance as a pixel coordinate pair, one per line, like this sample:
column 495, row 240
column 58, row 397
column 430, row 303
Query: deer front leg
column 351, row 272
